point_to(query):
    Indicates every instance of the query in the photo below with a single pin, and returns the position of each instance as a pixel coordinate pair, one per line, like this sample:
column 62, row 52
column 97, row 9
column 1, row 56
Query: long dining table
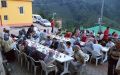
column 58, row 56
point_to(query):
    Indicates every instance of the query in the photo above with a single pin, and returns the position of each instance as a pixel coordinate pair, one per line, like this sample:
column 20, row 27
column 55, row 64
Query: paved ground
column 15, row 30
column 91, row 69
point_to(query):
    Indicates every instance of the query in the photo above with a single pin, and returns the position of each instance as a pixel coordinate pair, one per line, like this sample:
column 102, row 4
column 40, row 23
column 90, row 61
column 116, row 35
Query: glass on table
column 64, row 55
column 56, row 54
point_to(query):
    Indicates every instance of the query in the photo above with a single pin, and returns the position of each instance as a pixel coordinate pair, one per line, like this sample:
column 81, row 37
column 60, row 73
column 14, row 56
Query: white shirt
column 110, row 44
column 72, row 40
column 97, row 48
column 69, row 51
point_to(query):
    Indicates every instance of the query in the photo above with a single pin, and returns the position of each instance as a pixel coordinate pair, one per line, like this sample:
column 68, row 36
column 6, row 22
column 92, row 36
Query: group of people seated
column 71, row 48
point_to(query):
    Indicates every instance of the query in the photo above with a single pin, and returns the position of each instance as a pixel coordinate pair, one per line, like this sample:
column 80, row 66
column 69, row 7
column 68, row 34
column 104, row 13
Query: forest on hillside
column 76, row 13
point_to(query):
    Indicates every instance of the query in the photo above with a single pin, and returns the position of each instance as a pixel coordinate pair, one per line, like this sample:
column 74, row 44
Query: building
column 15, row 13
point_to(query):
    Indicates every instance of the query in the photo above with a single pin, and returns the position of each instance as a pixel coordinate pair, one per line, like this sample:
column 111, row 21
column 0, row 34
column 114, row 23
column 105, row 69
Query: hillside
column 80, row 12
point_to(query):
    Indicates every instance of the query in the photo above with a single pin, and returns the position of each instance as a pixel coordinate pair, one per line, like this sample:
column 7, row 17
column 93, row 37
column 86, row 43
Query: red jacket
column 68, row 35
column 52, row 23
column 106, row 34
column 84, row 38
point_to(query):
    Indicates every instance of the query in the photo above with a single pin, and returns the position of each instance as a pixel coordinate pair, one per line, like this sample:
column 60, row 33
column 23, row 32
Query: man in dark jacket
column 113, row 56
column 54, row 44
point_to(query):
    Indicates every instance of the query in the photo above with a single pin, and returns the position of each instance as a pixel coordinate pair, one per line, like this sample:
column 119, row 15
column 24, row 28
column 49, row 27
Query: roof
column 96, row 28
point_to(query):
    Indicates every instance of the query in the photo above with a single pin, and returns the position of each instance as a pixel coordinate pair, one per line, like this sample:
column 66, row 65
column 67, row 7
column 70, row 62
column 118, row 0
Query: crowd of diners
column 72, row 48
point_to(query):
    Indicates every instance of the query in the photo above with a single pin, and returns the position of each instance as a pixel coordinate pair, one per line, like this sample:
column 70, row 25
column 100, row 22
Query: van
column 36, row 18
column 45, row 22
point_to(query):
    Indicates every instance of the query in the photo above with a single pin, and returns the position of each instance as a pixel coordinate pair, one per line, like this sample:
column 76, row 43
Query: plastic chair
column 33, row 64
column 49, row 68
column 96, row 56
column 24, row 58
column 17, row 52
column 83, row 68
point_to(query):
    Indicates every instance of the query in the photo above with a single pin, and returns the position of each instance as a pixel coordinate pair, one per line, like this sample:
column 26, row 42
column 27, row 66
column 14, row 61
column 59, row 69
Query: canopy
column 96, row 29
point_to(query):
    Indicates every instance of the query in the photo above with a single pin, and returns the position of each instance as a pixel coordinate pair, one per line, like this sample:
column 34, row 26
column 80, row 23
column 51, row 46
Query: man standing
column 106, row 34
column 113, row 56
column 52, row 25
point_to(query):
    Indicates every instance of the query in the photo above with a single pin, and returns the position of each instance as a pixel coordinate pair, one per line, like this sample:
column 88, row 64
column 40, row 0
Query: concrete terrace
column 91, row 68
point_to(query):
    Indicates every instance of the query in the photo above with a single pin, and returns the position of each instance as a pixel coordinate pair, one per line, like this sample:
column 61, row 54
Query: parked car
column 45, row 22
column 36, row 18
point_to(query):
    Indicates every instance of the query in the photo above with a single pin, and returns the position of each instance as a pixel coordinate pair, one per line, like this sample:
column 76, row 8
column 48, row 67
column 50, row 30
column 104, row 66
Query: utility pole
column 53, row 16
column 100, row 20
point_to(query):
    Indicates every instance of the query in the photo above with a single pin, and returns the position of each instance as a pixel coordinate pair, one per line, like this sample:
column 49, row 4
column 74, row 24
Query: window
column 3, row 4
column 5, row 17
column 21, row 10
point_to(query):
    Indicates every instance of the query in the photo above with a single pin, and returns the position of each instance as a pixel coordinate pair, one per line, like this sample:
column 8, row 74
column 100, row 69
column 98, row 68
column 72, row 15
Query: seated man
column 110, row 43
column 26, row 49
column 36, row 55
column 61, row 47
column 88, row 47
column 43, row 35
column 98, row 49
column 68, row 49
column 54, row 44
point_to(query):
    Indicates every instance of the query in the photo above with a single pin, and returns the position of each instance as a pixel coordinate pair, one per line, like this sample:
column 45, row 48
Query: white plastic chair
column 33, row 64
column 25, row 59
column 17, row 52
column 86, row 59
column 49, row 68
column 96, row 56
column 83, row 67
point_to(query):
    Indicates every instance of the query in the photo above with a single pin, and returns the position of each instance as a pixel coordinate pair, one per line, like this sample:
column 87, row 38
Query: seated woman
column 68, row 34
column 80, row 58
column 49, row 60
column 79, row 55
column 114, row 35
column 84, row 37
column 48, row 41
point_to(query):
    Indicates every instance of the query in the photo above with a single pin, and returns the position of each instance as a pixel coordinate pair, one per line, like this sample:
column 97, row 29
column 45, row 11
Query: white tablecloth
column 57, row 55
column 60, row 38
column 60, row 57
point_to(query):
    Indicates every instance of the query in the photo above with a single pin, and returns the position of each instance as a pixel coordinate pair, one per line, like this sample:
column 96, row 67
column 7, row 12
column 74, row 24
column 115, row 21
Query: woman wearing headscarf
column 7, row 49
column 49, row 59
column 113, row 56
column 79, row 55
